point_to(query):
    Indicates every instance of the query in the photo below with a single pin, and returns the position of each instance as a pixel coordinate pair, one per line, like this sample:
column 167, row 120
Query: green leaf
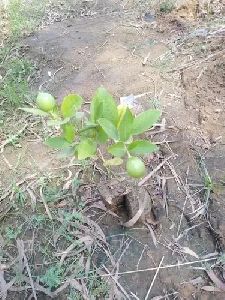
column 116, row 161
column 96, row 109
column 69, row 132
column 35, row 111
column 57, row 142
column 66, row 152
column 109, row 128
column 86, row 148
column 103, row 106
column 57, row 122
column 102, row 137
column 70, row 105
column 125, row 125
column 118, row 149
column 145, row 120
column 142, row 147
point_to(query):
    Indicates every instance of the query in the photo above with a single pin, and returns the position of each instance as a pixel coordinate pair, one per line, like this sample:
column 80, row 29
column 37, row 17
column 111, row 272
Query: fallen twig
column 45, row 204
column 189, row 263
column 20, row 245
column 154, row 278
column 154, row 171
column 166, row 296
column 117, row 283
column 152, row 234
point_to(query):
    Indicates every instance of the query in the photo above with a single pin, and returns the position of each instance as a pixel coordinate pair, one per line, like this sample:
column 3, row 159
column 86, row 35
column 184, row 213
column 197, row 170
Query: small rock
column 149, row 17
column 201, row 32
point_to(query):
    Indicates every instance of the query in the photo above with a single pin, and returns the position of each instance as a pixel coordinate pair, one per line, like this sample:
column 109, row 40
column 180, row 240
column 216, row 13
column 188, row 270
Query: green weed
column 15, row 79
column 20, row 197
column 15, row 71
column 12, row 233
column 166, row 6
column 53, row 277
column 24, row 16
column 2, row 112
column 52, row 194
column 38, row 221
column 96, row 286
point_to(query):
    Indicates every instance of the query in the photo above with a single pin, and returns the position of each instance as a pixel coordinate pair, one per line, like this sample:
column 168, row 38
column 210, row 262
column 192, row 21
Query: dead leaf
column 209, row 255
column 152, row 234
column 66, row 252
column 88, row 266
column 189, row 251
column 139, row 213
column 3, row 286
column 116, row 161
column 216, row 280
column 209, row 288
column 158, row 298
column 151, row 220
column 32, row 198
column 67, row 185
column 70, row 174
column 102, row 206
column 195, row 281
column 76, row 285
column 61, row 204
column 45, row 204
column 20, row 246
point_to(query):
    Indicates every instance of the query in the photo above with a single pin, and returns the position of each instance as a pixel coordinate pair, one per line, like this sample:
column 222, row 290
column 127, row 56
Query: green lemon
column 45, row 101
column 135, row 167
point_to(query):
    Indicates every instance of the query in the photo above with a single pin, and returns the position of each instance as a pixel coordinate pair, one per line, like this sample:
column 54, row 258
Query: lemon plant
column 82, row 133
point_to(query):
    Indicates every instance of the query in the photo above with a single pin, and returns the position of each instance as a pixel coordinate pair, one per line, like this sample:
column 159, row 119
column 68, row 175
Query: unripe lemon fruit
column 45, row 102
column 135, row 167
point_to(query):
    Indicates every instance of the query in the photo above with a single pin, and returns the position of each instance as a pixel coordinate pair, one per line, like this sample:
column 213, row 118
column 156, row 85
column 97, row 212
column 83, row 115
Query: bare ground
column 183, row 74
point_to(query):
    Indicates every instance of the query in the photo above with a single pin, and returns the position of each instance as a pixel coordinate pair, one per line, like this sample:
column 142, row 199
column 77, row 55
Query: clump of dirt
column 131, row 203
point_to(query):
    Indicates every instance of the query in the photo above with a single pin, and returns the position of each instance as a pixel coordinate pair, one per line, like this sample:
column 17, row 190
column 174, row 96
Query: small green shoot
column 166, row 6
column 15, row 87
column 53, row 277
column 12, row 233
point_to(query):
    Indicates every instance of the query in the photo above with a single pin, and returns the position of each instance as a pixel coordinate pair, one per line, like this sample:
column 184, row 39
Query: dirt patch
column 101, row 52
column 205, row 94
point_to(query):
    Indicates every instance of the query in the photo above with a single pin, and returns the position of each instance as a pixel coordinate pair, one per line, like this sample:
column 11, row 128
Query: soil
column 108, row 49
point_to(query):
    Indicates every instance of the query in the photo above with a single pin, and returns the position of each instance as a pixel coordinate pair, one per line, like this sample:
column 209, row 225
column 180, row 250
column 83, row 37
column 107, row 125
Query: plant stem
column 87, row 128
column 128, row 153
